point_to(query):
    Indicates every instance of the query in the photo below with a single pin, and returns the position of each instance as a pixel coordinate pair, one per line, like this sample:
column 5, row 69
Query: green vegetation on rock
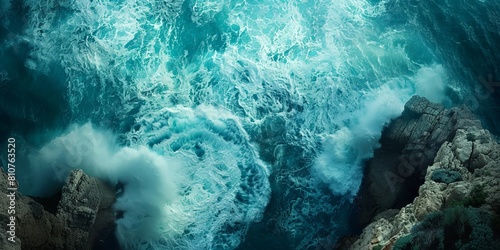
column 404, row 243
column 446, row 176
column 476, row 198
column 458, row 228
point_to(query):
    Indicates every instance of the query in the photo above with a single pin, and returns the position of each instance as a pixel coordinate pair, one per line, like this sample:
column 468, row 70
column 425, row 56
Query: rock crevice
column 465, row 169
column 409, row 144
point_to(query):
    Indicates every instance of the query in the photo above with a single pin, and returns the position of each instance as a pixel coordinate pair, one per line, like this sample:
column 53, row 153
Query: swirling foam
column 198, row 186
column 316, row 66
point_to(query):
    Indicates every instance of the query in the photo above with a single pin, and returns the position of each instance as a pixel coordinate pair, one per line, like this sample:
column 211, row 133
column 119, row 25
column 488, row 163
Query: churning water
column 231, row 124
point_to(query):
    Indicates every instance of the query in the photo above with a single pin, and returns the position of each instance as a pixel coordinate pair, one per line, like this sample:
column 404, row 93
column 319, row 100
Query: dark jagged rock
column 82, row 213
column 409, row 145
column 83, row 199
column 35, row 227
column 478, row 187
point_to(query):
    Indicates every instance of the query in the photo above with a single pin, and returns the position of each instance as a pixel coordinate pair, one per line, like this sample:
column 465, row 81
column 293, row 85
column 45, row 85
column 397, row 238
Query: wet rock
column 35, row 227
column 408, row 146
column 85, row 209
column 470, row 146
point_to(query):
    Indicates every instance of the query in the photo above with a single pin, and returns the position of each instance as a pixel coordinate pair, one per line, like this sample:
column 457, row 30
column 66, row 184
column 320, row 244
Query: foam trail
column 340, row 162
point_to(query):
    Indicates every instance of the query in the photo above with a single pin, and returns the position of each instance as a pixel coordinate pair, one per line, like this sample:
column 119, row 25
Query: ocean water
column 231, row 124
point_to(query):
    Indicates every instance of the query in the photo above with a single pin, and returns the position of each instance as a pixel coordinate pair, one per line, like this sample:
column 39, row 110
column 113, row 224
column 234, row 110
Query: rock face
column 83, row 211
column 85, row 208
column 409, row 145
column 473, row 158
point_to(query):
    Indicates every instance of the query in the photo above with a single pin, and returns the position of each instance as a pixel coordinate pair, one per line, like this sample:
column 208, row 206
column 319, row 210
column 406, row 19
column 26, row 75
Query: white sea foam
column 198, row 186
column 333, row 75
column 149, row 178
column 430, row 82
column 340, row 163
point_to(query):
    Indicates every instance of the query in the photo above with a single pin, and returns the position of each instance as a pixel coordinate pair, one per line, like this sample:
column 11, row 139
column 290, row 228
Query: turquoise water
column 232, row 124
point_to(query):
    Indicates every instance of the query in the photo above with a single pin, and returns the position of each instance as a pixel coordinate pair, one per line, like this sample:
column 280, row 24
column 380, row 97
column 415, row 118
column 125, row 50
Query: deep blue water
column 232, row 124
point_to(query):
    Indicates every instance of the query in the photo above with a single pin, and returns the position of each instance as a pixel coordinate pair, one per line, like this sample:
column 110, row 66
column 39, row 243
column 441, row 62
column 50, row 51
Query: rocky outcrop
column 33, row 225
column 85, row 208
column 83, row 211
column 409, row 144
column 465, row 169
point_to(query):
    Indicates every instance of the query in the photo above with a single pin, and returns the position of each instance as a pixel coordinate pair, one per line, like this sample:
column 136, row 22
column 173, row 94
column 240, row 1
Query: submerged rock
column 82, row 213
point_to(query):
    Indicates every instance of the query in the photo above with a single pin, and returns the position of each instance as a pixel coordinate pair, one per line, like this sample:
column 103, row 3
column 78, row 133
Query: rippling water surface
column 232, row 124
